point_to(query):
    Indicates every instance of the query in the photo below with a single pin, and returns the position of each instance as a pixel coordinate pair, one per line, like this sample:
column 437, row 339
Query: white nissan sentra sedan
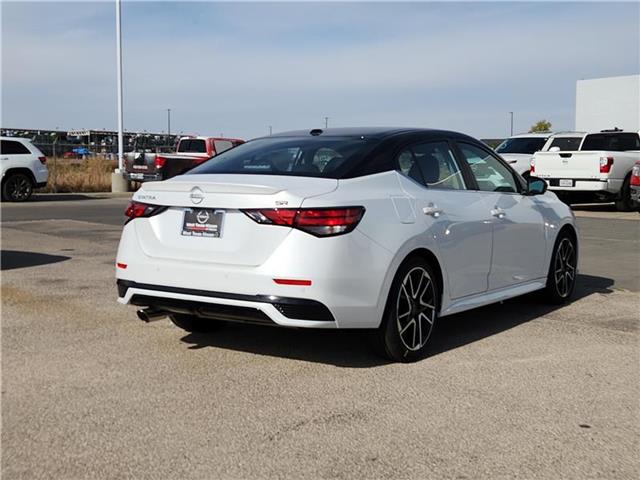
column 370, row 228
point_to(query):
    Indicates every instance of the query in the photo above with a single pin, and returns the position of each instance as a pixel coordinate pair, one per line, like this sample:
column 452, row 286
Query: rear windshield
column 528, row 145
column 328, row 157
column 566, row 144
column 613, row 142
column 192, row 146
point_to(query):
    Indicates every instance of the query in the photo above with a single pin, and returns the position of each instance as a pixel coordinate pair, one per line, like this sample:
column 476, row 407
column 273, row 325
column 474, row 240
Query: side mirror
column 536, row 186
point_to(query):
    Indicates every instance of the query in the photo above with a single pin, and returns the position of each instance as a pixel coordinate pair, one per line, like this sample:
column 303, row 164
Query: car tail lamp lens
column 159, row 161
column 321, row 222
column 532, row 166
column 142, row 210
column 605, row 164
column 635, row 175
column 43, row 160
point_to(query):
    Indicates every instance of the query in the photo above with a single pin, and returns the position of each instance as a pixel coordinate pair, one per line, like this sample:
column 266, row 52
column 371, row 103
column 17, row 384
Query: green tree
column 541, row 126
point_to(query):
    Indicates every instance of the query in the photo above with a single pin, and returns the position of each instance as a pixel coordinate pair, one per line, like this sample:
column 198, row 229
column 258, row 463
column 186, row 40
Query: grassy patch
column 74, row 176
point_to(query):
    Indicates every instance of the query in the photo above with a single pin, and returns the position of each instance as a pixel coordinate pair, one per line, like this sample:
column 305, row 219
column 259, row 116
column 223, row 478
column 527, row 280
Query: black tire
column 563, row 270
column 401, row 336
column 17, row 187
column 193, row 324
column 625, row 204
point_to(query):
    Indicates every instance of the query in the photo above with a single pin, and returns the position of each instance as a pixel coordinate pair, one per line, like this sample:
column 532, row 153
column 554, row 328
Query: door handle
column 432, row 210
column 498, row 213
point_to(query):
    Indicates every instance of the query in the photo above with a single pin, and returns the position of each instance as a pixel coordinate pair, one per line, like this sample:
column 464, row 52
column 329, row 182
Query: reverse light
column 43, row 160
column 321, row 222
column 142, row 210
column 605, row 164
column 159, row 161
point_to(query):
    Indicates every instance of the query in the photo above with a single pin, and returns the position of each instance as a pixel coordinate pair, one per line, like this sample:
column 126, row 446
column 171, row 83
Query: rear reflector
column 121, row 265
column 290, row 281
column 321, row 222
column 43, row 160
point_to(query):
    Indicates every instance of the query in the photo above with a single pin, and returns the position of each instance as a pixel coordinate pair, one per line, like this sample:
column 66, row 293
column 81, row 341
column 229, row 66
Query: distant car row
column 580, row 167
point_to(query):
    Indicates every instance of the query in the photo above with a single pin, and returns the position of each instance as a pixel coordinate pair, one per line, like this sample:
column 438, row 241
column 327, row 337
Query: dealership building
column 605, row 103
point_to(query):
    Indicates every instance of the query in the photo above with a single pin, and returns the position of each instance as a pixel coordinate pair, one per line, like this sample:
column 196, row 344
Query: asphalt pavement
column 514, row 390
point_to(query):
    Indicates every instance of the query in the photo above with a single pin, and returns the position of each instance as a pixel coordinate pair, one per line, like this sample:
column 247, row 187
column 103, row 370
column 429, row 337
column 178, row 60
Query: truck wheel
column 193, row 324
column 18, row 187
column 625, row 204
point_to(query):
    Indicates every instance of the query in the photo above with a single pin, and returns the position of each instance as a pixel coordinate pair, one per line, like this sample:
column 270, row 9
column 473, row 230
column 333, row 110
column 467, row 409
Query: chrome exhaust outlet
column 150, row 314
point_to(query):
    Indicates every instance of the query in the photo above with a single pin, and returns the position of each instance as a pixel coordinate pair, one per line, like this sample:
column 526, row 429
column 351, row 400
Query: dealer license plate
column 566, row 183
column 202, row 222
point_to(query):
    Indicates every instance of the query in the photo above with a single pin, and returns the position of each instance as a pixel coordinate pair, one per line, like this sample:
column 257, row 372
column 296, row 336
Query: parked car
column 599, row 171
column 635, row 184
column 518, row 150
column 385, row 229
column 23, row 168
column 141, row 166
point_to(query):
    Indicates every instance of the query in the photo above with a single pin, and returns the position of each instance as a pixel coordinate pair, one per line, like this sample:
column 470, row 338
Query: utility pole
column 511, row 113
column 326, row 122
column 270, row 130
column 168, row 122
column 119, row 73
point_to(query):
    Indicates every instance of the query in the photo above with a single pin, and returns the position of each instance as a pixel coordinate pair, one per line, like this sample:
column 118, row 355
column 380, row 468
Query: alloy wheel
column 416, row 309
column 18, row 188
column 565, row 267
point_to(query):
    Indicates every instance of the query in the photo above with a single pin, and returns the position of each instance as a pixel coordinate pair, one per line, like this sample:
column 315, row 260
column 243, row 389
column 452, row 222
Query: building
column 605, row 103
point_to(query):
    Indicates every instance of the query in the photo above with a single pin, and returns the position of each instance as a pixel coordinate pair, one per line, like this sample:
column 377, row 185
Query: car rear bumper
column 586, row 185
column 261, row 309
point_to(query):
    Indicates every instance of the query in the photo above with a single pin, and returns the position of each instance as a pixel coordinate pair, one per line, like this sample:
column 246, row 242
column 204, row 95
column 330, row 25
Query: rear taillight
column 605, row 164
column 139, row 210
column 635, row 175
column 532, row 166
column 159, row 161
column 43, row 160
column 321, row 222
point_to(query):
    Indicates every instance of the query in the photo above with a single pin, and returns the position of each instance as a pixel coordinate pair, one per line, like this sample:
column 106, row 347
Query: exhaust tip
column 149, row 314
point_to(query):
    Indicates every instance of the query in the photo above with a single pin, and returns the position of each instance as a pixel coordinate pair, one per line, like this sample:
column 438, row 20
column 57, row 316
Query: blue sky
column 236, row 68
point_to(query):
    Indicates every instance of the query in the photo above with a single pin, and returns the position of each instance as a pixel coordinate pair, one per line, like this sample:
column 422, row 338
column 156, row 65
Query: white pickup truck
column 599, row 171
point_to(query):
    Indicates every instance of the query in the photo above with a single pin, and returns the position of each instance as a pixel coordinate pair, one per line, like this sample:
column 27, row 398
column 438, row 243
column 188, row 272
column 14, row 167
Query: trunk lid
column 242, row 242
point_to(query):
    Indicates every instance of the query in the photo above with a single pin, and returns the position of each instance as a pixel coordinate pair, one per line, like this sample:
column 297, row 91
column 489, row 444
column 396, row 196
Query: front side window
column 432, row 164
column 490, row 174
column 328, row 157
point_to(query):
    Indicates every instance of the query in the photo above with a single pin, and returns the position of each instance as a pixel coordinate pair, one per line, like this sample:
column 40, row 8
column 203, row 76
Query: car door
column 518, row 226
column 456, row 217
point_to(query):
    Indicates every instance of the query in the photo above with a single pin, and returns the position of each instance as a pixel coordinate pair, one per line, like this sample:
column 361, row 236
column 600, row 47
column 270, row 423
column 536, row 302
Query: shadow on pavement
column 594, row 207
column 63, row 197
column 12, row 259
column 352, row 348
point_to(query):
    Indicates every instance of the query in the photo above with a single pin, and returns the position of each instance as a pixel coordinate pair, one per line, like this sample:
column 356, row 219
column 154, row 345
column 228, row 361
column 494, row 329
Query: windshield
column 528, row 145
column 328, row 157
column 566, row 144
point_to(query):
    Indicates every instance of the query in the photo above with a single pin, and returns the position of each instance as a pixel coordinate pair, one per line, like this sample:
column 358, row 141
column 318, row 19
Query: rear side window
column 566, row 144
column 614, row 142
column 431, row 164
column 222, row 145
column 328, row 157
column 9, row 147
column 192, row 146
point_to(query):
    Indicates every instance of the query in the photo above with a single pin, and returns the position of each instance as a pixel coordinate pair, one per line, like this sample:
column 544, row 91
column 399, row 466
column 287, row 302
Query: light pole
column 119, row 73
column 326, row 122
column 168, row 122
column 511, row 114
column 270, row 130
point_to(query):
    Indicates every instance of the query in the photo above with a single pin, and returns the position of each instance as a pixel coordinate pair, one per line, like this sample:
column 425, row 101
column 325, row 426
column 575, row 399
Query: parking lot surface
column 515, row 390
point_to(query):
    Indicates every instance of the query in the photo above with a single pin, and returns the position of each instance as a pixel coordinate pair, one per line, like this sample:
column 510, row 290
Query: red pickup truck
column 191, row 151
